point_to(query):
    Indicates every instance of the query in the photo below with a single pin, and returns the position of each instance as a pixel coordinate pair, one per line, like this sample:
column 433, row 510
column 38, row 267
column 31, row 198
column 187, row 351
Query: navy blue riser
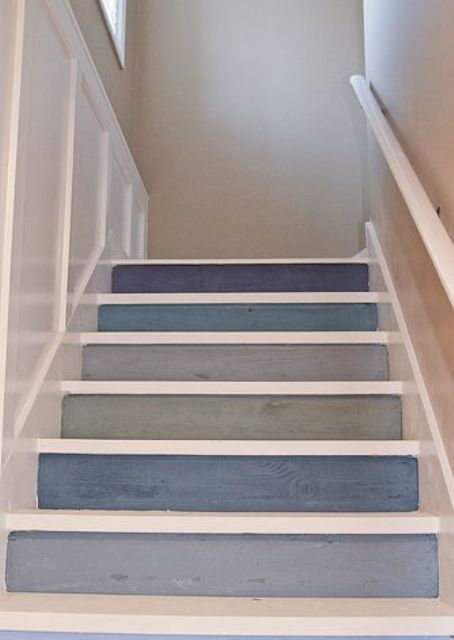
column 257, row 566
column 235, row 362
column 211, row 278
column 228, row 483
column 120, row 417
column 238, row 317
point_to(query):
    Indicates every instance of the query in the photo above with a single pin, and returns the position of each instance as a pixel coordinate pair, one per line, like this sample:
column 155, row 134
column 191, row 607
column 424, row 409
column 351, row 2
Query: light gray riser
column 235, row 362
column 238, row 317
column 232, row 417
column 224, row 565
column 228, row 483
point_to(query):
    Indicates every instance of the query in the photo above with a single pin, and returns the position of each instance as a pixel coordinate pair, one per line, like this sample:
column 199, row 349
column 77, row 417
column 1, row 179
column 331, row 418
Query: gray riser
column 209, row 278
column 235, row 362
column 348, row 566
column 238, row 317
column 232, row 417
column 228, row 483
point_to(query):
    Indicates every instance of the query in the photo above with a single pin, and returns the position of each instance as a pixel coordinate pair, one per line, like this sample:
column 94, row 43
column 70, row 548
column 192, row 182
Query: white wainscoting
column 72, row 197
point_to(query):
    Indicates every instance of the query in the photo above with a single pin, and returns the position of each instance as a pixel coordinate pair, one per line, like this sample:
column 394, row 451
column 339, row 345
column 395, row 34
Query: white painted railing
column 71, row 195
column 433, row 234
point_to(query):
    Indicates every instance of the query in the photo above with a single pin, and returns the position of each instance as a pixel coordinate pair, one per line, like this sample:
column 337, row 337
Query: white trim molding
column 433, row 234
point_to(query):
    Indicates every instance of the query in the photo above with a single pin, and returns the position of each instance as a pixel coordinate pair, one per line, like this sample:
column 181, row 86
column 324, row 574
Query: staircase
column 230, row 463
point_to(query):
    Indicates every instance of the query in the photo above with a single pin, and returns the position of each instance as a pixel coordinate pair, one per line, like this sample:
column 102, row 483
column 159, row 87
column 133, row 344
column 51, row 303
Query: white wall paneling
column 64, row 167
column 89, row 203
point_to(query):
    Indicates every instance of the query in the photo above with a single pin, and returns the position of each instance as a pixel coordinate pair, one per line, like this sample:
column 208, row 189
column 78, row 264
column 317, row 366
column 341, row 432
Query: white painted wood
column 8, row 200
column 433, row 234
column 120, row 211
column 41, row 191
column 50, row 70
column 219, row 523
column 66, row 22
column 435, row 471
column 239, row 261
column 224, row 616
column 89, row 204
column 82, row 387
column 237, row 298
column 291, row 337
column 420, row 383
column 231, row 447
column 68, row 196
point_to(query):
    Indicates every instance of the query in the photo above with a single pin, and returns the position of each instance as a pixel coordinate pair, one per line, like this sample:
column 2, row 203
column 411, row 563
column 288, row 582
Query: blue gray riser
column 235, row 362
column 224, row 278
column 258, row 566
column 228, row 483
column 122, row 417
column 238, row 317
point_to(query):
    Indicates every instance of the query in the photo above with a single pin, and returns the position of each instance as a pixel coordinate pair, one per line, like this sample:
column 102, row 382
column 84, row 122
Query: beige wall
column 7, row 13
column 410, row 63
column 117, row 81
column 246, row 132
column 7, row 19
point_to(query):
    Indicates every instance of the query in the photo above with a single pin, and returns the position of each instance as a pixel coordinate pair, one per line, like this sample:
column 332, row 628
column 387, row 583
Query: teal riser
column 210, row 278
column 232, row 417
column 259, row 566
column 228, row 483
column 235, row 362
column 238, row 317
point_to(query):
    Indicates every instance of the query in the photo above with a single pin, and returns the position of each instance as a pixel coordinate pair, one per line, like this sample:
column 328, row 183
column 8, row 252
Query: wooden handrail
column 433, row 234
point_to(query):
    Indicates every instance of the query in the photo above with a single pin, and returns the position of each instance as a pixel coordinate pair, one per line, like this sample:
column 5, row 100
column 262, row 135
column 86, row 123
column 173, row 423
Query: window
column 114, row 12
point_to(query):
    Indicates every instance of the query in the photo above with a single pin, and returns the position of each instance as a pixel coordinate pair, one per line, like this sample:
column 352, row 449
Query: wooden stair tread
column 215, row 522
column 218, row 616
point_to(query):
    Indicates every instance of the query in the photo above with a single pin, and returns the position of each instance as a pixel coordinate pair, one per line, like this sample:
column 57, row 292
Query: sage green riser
column 232, row 417
column 235, row 362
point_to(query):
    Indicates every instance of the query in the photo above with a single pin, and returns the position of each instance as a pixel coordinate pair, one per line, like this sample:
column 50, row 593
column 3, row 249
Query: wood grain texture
column 235, row 362
column 211, row 278
column 232, row 417
column 221, row 483
column 238, row 317
column 224, row 565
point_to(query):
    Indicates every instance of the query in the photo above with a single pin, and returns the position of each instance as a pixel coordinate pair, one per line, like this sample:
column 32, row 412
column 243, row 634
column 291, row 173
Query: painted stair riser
column 239, row 278
column 224, row 565
column 232, row 417
column 235, row 362
column 228, row 483
column 238, row 317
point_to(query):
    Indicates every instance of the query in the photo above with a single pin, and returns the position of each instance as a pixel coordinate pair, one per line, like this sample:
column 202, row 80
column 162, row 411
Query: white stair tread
column 144, row 387
column 336, row 297
column 143, row 262
column 225, row 616
column 231, row 447
column 228, row 523
column 220, row 337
